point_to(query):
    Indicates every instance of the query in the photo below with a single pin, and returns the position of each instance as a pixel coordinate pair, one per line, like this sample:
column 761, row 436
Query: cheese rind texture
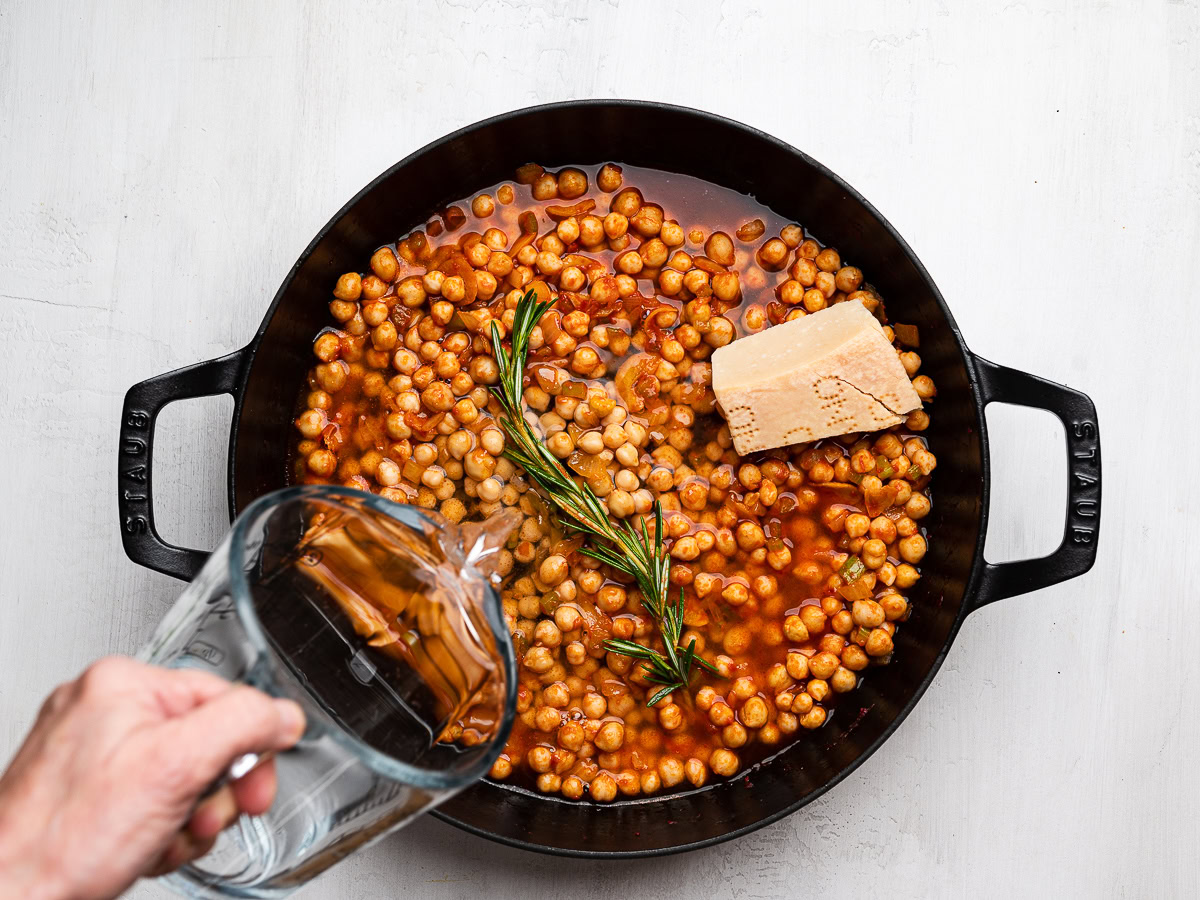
column 826, row 374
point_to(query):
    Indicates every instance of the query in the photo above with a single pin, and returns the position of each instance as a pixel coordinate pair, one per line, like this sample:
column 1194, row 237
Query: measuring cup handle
column 135, row 499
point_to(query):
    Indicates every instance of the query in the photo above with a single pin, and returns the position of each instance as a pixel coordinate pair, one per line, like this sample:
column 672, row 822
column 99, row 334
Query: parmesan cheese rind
column 826, row 374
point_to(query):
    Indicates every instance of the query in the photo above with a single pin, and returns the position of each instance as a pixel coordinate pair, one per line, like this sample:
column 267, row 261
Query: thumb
column 239, row 720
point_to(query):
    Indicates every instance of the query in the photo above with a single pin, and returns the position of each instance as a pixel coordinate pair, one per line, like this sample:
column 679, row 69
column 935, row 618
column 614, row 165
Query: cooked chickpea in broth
column 795, row 564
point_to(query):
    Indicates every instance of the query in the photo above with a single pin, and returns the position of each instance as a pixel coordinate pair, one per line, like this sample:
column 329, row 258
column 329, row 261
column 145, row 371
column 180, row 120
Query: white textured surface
column 162, row 165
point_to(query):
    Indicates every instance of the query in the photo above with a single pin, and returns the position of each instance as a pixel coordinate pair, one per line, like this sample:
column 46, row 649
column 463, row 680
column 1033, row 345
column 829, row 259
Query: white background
column 163, row 164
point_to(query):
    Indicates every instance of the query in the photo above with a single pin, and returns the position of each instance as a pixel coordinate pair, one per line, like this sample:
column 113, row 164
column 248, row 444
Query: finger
column 251, row 794
column 58, row 700
column 183, row 849
column 214, row 814
column 200, row 848
column 205, row 741
column 179, row 691
column 255, row 791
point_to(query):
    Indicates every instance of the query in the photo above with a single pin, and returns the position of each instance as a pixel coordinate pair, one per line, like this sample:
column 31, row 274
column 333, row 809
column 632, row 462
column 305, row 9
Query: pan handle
column 1081, row 535
column 135, row 499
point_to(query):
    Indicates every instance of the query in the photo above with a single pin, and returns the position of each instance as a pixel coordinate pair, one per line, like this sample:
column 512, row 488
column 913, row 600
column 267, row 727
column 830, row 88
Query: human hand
column 105, row 787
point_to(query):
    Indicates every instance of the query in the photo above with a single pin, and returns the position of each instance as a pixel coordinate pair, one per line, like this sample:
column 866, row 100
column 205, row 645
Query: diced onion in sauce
column 751, row 231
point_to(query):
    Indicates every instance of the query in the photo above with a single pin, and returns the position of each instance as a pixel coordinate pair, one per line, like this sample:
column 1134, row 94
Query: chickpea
column 796, row 665
column 321, row 463
column 924, row 461
column 894, row 607
column 828, row 260
column 549, row 264
column 883, row 528
column 854, row 658
column 591, row 442
column 697, row 281
column 924, row 387
column 670, row 282
column 814, row 618
column 479, row 464
column 912, row 549
column 772, row 255
column 547, row 718
column 791, row 292
column 615, row 225
column 814, row 300
column 734, row 735
column 576, row 324
column 879, row 643
column 856, row 524
column 754, row 713
column 778, row 678
column 653, row 253
column 620, row 504
column 553, row 570
column 719, row 248
column 874, row 553
column 630, row 263
column 649, row 782
column 492, row 440
column 425, row 454
column 814, row 718
column 867, row 613
column 433, row 477
column 737, row 640
column 349, row 287
column 608, row 179
column 540, row 758
column 591, row 231
column 822, row 665
column 720, row 714
column 454, row 289
column 502, row 767
column 804, row 272
column 343, row 310
column 571, row 787
column 627, row 202
column 575, row 653
column 538, row 659
column 545, row 187
column 483, row 206
column 696, row 772
column 610, row 737
column 331, row 377
column 671, row 771
column 723, row 762
column 433, row 281
column 438, row 397
column 311, row 423
column 560, row 445
column 791, row 235
column 611, row 598
column 795, row 629
column 627, row 455
column 572, row 183
column 584, row 361
column 750, row 536
column 648, row 221
column 670, row 717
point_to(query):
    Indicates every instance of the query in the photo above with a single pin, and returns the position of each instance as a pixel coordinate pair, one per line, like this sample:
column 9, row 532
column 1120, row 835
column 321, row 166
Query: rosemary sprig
column 620, row 546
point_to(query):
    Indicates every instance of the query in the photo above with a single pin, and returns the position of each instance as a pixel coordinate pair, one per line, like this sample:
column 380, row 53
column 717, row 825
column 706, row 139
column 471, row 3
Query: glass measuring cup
column 379, row 619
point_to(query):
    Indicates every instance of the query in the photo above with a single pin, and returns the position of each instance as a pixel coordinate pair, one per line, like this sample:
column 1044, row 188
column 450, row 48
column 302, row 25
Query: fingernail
column 291, row 718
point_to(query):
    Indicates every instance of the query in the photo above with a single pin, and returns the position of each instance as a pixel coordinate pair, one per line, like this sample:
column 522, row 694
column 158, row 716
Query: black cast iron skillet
column 265, row 377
